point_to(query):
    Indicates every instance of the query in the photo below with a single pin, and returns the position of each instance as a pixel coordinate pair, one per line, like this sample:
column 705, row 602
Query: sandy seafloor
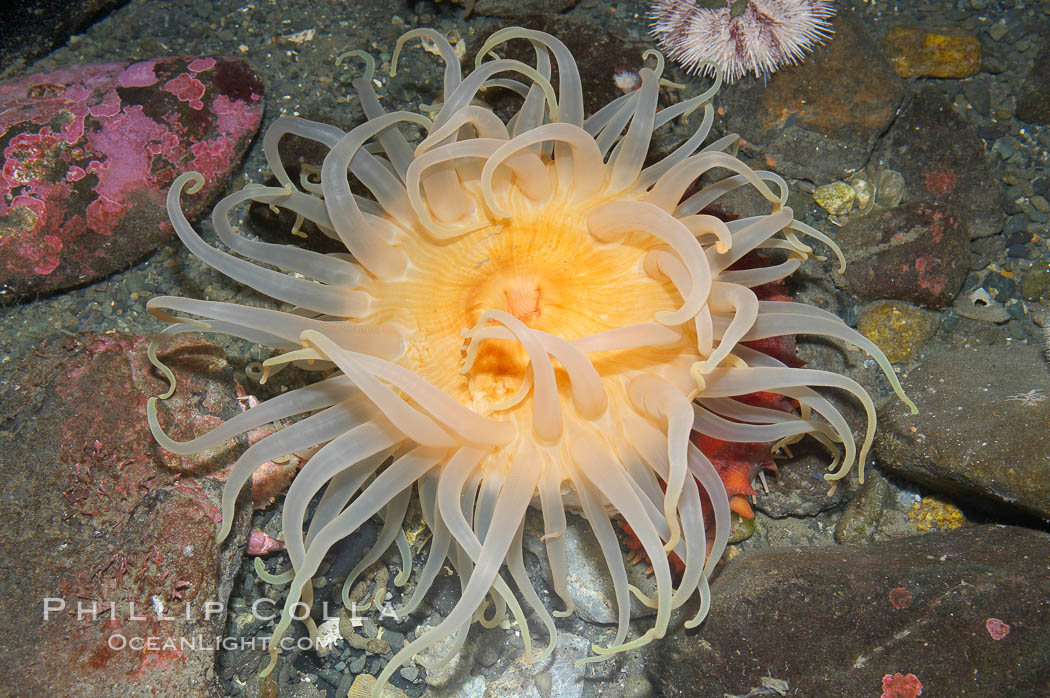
column 301, row 78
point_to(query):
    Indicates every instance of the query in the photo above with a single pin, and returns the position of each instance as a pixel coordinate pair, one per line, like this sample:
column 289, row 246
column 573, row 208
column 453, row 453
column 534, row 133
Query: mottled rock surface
column 835, row 620
column 862, row 519
column 557, row 676
column 917, row 252
column 98, row 519
column 88, row 152
column 942, row 159
column 819, row 120
column 1033, row 102
column 981, row 431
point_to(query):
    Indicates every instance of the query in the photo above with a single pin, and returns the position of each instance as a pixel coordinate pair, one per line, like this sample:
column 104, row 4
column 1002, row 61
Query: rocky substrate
column 935, row 187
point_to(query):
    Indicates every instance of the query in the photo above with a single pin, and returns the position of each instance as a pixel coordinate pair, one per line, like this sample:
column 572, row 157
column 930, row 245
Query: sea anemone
column 528, row 315
column 740, row 36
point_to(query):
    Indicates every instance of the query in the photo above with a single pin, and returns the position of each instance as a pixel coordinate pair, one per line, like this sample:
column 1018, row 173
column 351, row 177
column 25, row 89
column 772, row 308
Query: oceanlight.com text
column 201, row 643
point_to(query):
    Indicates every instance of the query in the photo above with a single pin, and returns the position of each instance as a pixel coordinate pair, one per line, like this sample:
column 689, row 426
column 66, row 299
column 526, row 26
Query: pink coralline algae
column 90, row 469
column 996, row 628
column 186, row 88
column 940, row 182
column 87, row 154
column 900, row 598
column 901, row 686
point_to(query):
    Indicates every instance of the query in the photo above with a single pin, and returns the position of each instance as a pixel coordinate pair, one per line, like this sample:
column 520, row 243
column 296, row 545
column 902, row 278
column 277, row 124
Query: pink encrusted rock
column 113, row 583
column 917, row 252
column 88, row 153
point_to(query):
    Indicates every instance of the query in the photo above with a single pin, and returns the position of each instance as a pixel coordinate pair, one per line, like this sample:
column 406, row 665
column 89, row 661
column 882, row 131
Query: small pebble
column 836, row 198
column 1004, row 287
column 1005, row 146
column 1017, row 329
column 1018, row 238
column 1015, row 224
column 638, row 687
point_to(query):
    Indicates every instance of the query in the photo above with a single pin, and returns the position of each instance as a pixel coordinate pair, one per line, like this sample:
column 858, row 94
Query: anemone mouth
column 526, row 309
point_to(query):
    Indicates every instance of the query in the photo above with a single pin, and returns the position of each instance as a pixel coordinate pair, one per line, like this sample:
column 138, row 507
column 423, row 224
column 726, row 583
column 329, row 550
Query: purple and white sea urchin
column 740, row 36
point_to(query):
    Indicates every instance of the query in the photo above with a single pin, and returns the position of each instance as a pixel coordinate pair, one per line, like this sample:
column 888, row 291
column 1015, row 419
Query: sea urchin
column 740, row 36
column 527, row 315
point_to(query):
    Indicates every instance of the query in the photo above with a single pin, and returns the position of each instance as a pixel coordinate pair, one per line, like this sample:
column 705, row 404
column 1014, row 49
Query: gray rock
column 453, row 672
column 834, row 620
column 637, row 687
column 976, row 91
column 1033, row 102
column 981, row 431
column 469, row 687
column 588, row 576
column 555, row 676
column 799, row 487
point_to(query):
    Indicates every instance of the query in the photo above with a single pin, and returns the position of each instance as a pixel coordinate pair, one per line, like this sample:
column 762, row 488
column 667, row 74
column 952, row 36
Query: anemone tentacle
column 525, row 314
